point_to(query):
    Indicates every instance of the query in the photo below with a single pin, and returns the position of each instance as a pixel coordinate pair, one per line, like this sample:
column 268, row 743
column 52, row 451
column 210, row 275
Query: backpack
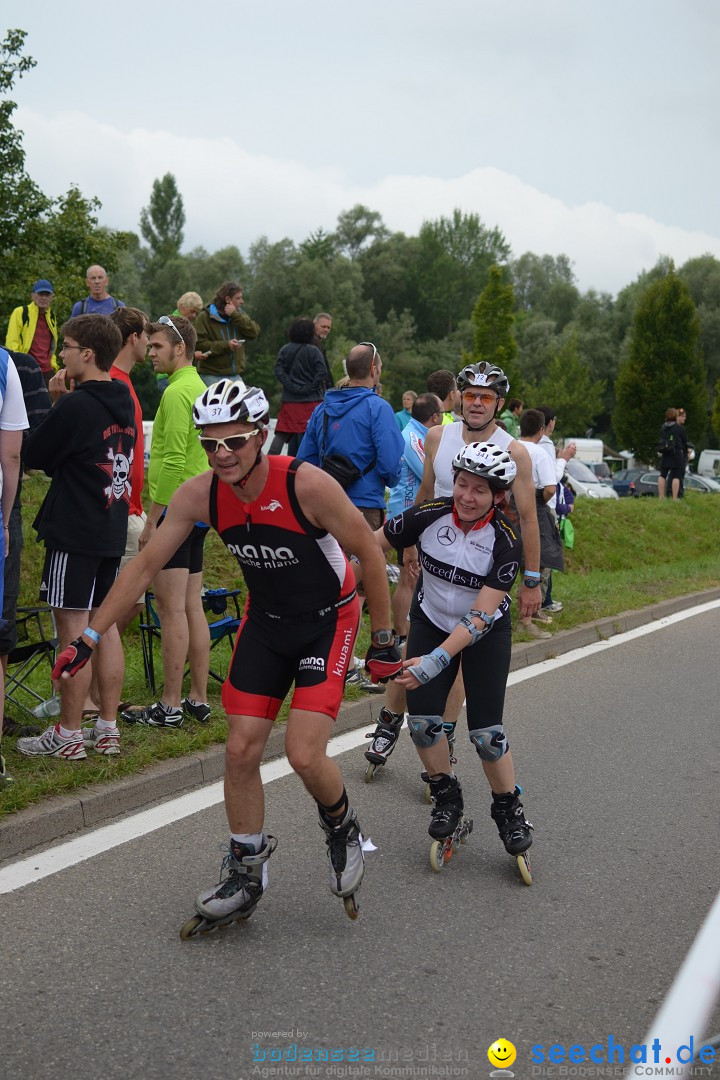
column 83, row 309
column 338, row 466
column 666, row 443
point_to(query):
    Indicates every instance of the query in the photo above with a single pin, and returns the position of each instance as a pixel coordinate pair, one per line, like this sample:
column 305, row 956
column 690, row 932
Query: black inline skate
column 515, row 831
column 384, row 738
column 449, row 729
column 448, row 825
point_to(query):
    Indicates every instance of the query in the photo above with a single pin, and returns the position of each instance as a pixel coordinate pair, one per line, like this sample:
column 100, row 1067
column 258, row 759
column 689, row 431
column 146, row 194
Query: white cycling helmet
column 226, row 402
column 488, row 460
column 484, row 374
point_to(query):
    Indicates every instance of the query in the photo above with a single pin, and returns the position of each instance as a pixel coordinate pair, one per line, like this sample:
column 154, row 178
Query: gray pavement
column 619, row 756
column 100, row 803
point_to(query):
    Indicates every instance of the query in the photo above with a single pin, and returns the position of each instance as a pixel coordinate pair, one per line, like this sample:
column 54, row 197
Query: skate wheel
column 352, row 908
column 524, row 867
column 190, row 929
column 428, row 795
column 370, row 772
column 437, row 856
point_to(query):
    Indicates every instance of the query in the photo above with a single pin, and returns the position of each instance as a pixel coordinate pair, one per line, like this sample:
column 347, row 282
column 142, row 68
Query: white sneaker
column 103, row 742
column 52, row 744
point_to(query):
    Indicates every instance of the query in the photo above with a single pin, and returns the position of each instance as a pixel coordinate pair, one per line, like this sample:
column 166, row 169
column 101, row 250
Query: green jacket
column 511, row 422
column 214, row 331
column 22, row 327
column 175, row 452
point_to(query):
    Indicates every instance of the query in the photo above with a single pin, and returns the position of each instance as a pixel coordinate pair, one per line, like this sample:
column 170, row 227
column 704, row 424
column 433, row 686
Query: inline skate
column 237, row 894
column 384, row 738
column 347, row 862
column 448, row 825
column 515, row 831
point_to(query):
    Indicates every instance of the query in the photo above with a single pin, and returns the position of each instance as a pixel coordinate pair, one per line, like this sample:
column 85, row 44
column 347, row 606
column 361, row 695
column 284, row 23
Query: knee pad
column 490, row 742
column 425, row 730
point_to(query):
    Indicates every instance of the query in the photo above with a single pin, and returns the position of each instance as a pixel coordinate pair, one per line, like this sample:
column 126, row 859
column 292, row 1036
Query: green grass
column 627, row 554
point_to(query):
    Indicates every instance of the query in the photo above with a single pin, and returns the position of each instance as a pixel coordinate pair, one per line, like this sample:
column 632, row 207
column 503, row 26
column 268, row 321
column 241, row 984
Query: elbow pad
column 469, row 625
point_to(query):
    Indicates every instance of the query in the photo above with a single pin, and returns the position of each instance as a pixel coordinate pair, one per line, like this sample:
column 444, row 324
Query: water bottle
column 48, row 708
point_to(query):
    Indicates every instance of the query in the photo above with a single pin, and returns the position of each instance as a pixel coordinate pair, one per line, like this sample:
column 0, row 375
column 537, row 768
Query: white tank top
column 451, row 441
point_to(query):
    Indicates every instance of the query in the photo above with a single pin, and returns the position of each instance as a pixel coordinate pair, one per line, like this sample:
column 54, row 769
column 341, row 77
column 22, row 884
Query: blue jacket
column 361, row 427
column 412, row 464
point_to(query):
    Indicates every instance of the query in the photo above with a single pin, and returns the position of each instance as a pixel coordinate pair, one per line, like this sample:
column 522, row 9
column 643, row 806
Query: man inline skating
column 286, row 522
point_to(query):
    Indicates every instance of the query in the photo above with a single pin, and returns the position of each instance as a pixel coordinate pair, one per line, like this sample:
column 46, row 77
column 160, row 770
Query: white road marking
column 97, row 841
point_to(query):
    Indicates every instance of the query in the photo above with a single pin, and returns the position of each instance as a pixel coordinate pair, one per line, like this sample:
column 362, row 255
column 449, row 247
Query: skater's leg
column 500, row 774
column 306, row 739
column 244, row 798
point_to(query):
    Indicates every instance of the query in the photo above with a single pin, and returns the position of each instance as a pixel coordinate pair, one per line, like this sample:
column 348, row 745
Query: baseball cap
column 43, row 285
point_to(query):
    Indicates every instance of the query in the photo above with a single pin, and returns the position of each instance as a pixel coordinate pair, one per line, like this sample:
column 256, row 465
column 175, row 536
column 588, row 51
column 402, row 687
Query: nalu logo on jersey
column 446, row 535
column 272, row 505
column 311, row 663
column 263, row 557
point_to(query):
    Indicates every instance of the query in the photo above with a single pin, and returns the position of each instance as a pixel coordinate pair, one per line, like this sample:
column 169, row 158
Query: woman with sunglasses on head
column 222, row 330
column 470, row 554
column 286, row 523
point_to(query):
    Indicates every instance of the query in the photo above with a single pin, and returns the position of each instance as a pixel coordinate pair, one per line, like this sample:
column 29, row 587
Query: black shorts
column 189, row 556
column 270, row 654
column 8, row 630
column 485, row 667
column 76, row 582
column 672, row 472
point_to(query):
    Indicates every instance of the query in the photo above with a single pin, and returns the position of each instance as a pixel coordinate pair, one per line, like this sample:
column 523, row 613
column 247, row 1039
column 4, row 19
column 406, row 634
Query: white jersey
column 13, row 416
column 543, row 469
column 451, row 441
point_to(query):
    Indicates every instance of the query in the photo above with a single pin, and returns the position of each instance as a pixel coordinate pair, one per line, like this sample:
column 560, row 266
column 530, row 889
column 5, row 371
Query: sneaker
column 534, row 631
column 15, row 730
column 104, row 742
column 357, row 678
column 52, row 744
column 541, row 617
column 554, row 606
column 156, row 715
column 196, row 710
column 5, row 777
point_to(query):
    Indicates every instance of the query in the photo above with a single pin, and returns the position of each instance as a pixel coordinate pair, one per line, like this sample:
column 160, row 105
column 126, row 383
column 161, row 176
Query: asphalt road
column 619, row 756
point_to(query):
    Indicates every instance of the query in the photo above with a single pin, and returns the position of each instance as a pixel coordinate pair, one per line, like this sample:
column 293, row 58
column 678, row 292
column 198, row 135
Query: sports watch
column 531, row 583
column 382, row 638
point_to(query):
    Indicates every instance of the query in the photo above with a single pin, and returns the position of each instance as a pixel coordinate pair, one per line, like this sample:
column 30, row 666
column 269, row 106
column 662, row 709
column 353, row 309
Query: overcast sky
column 574, row 126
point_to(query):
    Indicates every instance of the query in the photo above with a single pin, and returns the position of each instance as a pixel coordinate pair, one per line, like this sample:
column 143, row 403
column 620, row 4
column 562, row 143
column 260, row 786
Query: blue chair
column 215, row 602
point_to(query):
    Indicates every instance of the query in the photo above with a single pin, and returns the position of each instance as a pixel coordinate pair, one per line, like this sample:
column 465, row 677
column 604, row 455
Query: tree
column 663, row 368
column 162, row 222
column 493, row 320
column 455, row 255
column 357, row 228
column 570, row 389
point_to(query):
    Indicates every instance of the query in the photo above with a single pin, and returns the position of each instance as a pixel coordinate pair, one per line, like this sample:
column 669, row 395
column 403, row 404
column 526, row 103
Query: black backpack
column 666, row 443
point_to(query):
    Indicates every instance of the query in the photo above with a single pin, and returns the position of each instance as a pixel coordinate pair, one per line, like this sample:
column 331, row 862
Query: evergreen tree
column 493, row 320
column 569, row 388
column 663, row 368
column 163, row 220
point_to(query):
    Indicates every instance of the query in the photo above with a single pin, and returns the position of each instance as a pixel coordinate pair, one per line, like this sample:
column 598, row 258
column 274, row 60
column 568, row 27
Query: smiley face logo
column 502, row 1054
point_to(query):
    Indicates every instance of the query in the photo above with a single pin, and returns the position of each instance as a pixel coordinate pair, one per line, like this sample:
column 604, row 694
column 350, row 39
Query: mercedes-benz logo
column 446, row 535
column 507, row 572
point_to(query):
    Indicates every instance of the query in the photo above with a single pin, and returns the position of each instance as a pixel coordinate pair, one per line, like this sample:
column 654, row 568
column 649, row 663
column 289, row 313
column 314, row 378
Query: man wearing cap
column 33, row 329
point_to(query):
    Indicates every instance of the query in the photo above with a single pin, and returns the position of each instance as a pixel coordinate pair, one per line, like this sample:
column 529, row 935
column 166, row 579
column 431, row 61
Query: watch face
column 382, row 637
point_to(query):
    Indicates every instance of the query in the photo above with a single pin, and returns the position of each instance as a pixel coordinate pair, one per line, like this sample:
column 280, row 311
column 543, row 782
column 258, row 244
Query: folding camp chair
column 215, row 602
column 37, row 646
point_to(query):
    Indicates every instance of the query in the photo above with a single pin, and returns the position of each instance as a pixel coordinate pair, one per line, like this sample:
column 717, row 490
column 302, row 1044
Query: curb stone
column 99, row 804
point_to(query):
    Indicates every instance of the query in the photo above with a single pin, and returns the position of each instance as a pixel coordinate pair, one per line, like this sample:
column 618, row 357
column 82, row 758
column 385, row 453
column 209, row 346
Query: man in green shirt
column 510, row 416
column 175, row 456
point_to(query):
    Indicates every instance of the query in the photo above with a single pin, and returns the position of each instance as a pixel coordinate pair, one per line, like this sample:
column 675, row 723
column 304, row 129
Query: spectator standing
column 323, row 325
column 510, row 416
column 404, row 415
column 444, row 384
column 13, row 421
column 33, row 329
column 357, row 424
column 222, row 329
column 85, row 445
column 303, row 372
column 673, row 445
column 690, row 453
column 532, row 426
column 175, row 456
column 37, row 406
column 559, row 459
column 99, row 301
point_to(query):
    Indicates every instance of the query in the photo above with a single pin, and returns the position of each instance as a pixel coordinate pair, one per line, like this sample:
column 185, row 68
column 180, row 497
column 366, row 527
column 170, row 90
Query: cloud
column 233, row 196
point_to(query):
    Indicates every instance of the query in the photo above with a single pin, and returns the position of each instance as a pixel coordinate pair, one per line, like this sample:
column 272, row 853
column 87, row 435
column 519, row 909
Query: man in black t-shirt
column 673, row 447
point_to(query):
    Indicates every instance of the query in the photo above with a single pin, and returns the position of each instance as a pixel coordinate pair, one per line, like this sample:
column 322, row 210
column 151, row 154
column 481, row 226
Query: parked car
column 601, row 470
column 624, row 481
column 583, row 481
column 647, row 484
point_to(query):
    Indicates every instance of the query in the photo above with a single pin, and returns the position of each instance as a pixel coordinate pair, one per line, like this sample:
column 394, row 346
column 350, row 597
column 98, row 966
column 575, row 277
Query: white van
column 588, row 450
column 709, row 463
